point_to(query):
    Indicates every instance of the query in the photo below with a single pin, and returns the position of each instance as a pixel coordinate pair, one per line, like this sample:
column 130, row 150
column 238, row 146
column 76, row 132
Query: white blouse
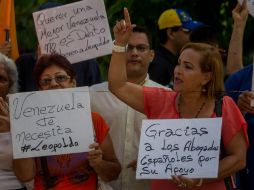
column 8, row 179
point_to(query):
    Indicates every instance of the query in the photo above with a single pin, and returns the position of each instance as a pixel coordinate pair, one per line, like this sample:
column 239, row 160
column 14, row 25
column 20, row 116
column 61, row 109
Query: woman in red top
column 198, row 78
column 70, row 171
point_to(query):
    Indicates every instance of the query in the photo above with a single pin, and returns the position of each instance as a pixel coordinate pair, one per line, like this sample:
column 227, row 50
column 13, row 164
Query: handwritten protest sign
column 250, row 4
column 50, row 122
column 188, row 147
column 79, row 31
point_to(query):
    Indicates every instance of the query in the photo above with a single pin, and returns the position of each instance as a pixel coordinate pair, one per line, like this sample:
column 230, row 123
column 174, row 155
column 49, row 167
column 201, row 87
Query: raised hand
column 244, row 101
column 123, row 29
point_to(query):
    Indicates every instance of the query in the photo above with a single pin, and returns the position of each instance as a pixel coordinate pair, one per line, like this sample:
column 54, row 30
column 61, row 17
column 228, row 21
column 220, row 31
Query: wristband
column 199, row 183
column 119, row 49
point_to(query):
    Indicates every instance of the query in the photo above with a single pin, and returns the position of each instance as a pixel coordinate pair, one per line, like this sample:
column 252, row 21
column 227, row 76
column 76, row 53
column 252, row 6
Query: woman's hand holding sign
column 184, row 182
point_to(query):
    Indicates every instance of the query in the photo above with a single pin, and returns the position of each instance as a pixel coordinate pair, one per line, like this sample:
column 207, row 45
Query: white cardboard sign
column 50, row 122
column 188, row 147
column 79, row 30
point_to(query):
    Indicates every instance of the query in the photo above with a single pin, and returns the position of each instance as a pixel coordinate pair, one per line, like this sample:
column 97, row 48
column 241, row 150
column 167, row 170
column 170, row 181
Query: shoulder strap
column 218, row 106
column 49, row 181
column 218, row 111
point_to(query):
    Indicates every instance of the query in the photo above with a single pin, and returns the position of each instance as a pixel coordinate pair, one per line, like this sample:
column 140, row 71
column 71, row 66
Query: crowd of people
column 187, row 70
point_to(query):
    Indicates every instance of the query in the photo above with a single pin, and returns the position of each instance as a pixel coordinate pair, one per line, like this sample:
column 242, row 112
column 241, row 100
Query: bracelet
column 119, row 49
column 199, row 183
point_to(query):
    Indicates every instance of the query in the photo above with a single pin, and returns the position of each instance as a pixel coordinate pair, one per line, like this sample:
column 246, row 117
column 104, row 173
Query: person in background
column 198, row 81
column 207, row 34
column 239, row 87
column 174, row 27
column 70, row 171
column 87, row 72
column 125, row 122
column 8, row 84
column 204, row 34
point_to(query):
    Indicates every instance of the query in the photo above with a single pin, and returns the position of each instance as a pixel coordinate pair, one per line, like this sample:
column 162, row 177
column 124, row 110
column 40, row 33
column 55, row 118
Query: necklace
column 198, row 112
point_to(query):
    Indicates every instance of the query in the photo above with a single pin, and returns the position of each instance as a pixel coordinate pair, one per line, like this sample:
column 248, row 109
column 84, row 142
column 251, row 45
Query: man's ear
column 170, row 33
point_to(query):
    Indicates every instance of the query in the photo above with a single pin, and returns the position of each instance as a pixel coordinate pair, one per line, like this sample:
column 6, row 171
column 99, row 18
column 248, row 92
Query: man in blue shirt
column 238, row 87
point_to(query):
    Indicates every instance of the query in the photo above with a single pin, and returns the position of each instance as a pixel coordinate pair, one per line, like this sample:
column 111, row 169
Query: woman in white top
column 8, row 84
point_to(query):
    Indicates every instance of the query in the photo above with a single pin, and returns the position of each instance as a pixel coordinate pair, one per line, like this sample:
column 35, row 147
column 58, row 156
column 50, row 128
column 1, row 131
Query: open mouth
column 177, row 80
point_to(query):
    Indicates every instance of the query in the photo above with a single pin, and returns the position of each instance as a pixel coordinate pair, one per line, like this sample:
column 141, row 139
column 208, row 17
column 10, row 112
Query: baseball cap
column 177, row 17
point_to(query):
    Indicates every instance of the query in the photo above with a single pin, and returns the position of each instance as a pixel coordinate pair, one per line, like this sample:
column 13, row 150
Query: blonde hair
column 210, row 62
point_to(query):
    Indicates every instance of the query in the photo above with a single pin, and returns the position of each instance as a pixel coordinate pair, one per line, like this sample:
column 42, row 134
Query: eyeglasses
column 180, row 28
column 57, row 78
column 140, row 48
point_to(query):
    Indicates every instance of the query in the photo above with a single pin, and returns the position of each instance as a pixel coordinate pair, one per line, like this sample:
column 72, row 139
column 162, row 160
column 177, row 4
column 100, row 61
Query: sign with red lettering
column 187, row 147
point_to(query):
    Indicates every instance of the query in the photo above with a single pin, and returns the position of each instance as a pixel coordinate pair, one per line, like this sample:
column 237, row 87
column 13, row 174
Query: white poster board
column 50, row 122
column 250, row 4
column 188, row 147
column 79, row 30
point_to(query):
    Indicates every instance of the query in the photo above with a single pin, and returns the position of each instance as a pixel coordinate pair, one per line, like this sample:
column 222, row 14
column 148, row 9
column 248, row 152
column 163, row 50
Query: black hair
column 204, row 34
column 142, row 29
column 48, row 60
column 162, row 34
